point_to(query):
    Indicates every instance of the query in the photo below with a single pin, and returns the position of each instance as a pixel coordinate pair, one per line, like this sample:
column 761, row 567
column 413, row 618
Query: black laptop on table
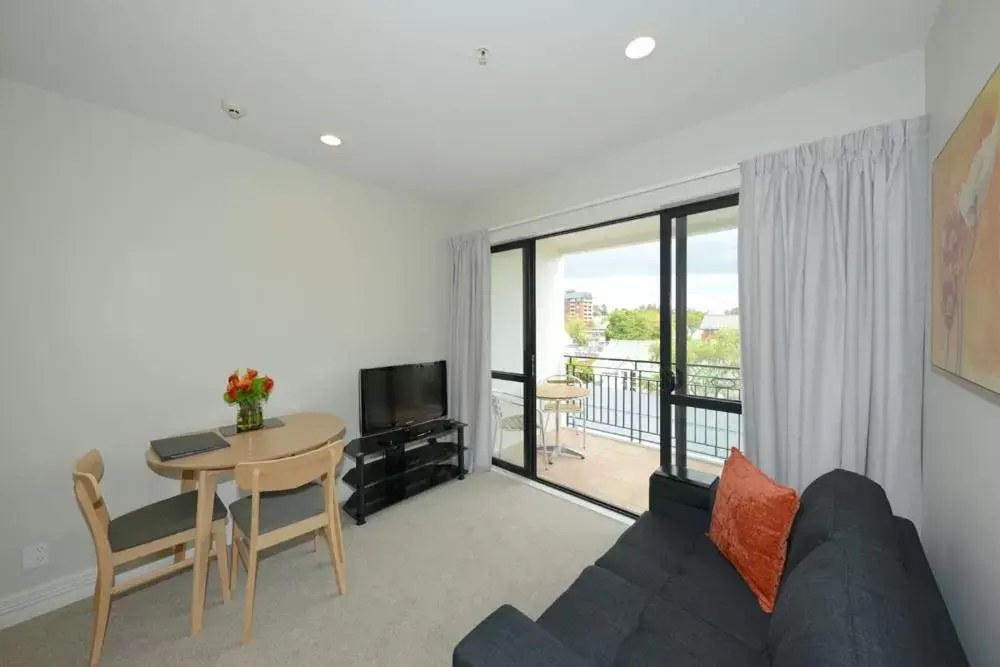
column 180, row 446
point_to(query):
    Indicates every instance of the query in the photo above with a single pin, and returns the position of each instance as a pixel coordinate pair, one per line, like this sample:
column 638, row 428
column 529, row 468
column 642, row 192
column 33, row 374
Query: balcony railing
column 624, row 401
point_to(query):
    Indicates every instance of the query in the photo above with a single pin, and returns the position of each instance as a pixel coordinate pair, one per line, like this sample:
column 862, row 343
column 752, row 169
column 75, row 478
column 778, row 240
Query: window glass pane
column 508, row 421
column 597, row 299
column 507, row 316
column 713, row 334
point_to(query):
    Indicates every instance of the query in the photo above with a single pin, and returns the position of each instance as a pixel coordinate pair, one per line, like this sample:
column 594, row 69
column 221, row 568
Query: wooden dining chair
column 288, row 498
column 161, row 526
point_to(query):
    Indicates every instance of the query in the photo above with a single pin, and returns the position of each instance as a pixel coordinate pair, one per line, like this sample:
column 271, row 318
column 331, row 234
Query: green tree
column 634, row 324
column 580, row 368
column 576, row 327
column 694, row 320
column 720, row 349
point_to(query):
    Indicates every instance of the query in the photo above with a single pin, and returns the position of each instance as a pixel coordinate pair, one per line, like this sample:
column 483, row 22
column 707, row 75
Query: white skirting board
column 52, row 595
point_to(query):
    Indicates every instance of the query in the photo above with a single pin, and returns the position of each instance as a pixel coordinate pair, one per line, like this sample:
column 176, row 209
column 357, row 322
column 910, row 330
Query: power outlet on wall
column 34, row 556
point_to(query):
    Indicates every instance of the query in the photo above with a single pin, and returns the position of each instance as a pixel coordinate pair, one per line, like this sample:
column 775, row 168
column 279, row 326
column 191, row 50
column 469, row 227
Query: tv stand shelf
column 394, row 465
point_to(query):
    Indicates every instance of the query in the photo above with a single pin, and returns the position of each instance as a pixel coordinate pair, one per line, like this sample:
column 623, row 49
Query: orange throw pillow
column 750, row 523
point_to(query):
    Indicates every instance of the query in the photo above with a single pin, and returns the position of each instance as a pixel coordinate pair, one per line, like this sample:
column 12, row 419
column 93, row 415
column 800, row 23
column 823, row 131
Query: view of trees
column 576, row 327
column 720, row 348
column 641, row 323
column 709, row 348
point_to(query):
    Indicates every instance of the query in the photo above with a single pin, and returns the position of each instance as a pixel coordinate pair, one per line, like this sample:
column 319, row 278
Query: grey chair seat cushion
column 280, row 508
column 161, row 519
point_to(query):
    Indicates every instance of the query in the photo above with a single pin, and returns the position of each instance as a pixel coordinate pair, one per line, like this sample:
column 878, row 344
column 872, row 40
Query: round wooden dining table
column 302, row 432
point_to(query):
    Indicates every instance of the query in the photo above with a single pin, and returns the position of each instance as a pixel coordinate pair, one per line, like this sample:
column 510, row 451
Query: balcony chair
column 508, row 415
column 576, row 408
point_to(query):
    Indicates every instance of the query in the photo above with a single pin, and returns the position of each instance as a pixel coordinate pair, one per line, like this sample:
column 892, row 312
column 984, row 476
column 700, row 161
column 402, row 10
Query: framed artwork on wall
column 965, row 298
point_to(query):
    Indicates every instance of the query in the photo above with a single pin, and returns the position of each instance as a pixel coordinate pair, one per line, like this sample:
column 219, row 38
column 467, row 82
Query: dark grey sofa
column 857, row 590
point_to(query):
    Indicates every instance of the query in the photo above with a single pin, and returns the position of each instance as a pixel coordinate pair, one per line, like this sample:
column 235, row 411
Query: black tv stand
column 394, row 465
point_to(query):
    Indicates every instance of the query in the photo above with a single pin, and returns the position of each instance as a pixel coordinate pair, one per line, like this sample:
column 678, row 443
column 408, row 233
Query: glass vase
column 249, row 417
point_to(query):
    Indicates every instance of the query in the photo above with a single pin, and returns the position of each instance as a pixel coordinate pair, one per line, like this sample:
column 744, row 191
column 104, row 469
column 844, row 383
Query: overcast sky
column 628, row 277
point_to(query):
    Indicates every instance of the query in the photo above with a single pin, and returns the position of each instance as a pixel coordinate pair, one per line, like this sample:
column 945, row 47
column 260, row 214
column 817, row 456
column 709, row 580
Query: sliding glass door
column 705, row 335
column 512, row 356
column 615, row 351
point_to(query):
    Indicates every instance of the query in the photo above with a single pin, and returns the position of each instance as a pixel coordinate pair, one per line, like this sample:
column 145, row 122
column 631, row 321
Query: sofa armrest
column 508, row 638
column 673, row 493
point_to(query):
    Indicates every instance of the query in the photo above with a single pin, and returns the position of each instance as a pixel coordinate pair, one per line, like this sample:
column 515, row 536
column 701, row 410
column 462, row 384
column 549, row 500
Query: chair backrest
column 506, row 405
column 291, row 472
column 88, row 471
column 565, row 379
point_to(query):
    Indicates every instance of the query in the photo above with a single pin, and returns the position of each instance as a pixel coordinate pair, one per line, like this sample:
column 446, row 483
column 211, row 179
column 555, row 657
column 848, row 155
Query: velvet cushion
column 751, row 519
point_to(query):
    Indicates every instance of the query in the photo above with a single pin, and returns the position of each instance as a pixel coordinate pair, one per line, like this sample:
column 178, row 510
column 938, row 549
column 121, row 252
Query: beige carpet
column 419, row 576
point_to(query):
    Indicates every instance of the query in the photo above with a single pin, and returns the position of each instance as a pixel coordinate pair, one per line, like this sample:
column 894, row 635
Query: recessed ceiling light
column 330, row 140
column 640, row 47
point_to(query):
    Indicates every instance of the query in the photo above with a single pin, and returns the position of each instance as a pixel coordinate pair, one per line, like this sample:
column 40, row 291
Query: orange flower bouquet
column 248, row 392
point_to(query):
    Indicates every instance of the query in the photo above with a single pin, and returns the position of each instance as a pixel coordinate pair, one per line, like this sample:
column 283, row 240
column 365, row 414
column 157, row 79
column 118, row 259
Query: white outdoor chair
column 508, row 415
column 576, row 408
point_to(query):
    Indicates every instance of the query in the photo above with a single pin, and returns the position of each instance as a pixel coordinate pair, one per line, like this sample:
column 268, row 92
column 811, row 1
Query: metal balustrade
column 624, row 401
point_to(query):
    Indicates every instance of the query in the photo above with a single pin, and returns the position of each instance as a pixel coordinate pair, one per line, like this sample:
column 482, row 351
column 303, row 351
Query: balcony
column 621, row 419
column 597, row 304
column 615, row 470
column 624, row 402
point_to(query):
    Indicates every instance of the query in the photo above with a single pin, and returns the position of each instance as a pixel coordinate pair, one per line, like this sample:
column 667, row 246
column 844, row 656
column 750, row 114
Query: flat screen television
column 398, row 396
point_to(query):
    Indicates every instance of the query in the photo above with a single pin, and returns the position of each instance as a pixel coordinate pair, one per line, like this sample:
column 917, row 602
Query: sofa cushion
column 838, row 500
column 849, row 602
column 651, row 550
column 669, row 635
column 751, row 519
column 595, row 615
column 676, row 560
column 709, row 587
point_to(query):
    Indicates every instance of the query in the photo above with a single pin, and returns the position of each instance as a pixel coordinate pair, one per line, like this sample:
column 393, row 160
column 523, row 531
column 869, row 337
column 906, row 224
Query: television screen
column 397, row 396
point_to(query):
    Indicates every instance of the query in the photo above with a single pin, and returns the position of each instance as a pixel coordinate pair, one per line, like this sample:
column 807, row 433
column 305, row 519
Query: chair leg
column 251, row 584
column 338, row 535
column 102, row 609
column 221, row 557
column 234, row 568
column 315, row 541
column 338, row 567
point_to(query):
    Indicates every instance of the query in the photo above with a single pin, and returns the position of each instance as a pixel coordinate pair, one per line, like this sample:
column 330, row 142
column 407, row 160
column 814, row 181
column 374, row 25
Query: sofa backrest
column 857, row 590
column 838, row 501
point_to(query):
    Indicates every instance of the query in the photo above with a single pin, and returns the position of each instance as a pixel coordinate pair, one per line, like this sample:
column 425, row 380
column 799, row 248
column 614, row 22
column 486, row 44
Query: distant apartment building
column 579, row 304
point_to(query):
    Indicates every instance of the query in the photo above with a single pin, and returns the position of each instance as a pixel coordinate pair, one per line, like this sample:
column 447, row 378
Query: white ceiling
column 400, row 83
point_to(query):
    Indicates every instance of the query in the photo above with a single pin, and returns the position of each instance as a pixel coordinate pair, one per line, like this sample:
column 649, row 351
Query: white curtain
column 469, row 344
column 833, row 257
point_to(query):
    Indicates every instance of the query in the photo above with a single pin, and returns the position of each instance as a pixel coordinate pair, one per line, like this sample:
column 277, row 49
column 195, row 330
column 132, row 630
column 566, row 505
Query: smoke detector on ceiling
column 233, row 109
column 483, row 54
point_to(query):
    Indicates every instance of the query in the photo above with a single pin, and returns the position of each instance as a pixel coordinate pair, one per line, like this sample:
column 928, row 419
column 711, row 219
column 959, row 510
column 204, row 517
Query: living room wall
column 961, row 528
column 141, row 264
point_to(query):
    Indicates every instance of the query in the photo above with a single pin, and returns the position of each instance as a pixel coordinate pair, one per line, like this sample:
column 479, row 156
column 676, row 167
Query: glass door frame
column 527, row 375
column 673, row 226
column 674, row 400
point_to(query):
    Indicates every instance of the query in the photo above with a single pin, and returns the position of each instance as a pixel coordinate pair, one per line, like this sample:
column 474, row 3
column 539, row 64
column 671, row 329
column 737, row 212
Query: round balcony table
column 302, row 432
column 558, row 393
